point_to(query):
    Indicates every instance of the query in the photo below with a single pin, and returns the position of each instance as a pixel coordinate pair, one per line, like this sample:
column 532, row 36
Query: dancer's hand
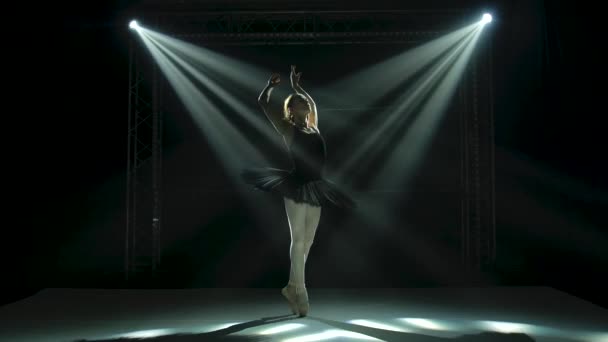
column 275, row 79
column 294, row 77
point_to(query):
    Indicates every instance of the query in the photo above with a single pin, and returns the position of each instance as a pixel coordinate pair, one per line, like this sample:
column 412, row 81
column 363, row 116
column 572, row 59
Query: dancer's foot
column 289, row 292
column 302, row 301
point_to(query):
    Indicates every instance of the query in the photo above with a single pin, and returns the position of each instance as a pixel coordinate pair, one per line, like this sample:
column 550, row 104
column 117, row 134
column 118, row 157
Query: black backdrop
column 66, row 148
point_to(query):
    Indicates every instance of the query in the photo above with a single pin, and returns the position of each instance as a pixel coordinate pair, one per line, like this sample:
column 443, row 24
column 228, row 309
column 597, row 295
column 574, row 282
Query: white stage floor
column 418, row 315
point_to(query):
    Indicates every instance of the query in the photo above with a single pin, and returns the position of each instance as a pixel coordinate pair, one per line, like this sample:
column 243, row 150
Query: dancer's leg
column 296, row 215
column 313, row 215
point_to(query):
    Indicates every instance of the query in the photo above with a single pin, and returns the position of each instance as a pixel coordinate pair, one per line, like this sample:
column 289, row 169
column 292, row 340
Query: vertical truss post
column 478, row 224
column 156, row 171
column 129, row 224
column 142, row 230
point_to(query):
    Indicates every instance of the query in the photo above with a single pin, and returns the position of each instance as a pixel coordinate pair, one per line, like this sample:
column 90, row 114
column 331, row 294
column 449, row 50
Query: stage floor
column 429, row 315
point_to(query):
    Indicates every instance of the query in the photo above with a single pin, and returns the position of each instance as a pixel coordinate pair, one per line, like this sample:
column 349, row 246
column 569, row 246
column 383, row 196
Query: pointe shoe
column 302, row 301
column 289, row 292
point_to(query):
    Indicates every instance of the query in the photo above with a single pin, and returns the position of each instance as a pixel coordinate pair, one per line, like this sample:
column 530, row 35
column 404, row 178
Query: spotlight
column 487, row 17
column 133, row 25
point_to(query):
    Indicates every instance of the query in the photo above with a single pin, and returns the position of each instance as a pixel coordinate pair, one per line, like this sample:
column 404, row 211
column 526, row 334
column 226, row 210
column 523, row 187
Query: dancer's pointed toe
column 302, row 301
column 289, row 293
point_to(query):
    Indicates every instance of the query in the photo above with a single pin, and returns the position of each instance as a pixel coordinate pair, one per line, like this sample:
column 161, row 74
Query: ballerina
column 303, row 188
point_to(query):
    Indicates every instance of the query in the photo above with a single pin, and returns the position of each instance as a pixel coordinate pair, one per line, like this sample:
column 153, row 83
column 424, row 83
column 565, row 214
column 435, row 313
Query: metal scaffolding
column 144, row 163
column 144, row 167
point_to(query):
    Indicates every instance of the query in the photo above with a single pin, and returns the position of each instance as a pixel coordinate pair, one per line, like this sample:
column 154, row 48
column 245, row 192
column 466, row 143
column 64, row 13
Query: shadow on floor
column 381, row 334
column 216, row 335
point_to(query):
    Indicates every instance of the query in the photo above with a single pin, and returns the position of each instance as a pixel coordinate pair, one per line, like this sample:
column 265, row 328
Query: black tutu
column 317, row 192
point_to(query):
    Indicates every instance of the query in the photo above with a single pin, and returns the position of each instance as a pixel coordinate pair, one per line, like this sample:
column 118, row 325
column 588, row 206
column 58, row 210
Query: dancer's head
column 296, row 109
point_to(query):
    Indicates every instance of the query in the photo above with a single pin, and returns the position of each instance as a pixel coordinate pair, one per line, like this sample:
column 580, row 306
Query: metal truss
column 478, row 223
column 310, row 27
column 142, row 235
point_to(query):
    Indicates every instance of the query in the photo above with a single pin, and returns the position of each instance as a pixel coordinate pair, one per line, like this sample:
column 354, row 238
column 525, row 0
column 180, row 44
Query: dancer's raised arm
column 295, row 84
column 275, row 117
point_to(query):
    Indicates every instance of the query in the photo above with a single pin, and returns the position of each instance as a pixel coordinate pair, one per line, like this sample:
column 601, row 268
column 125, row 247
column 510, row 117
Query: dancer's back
column 307, row 152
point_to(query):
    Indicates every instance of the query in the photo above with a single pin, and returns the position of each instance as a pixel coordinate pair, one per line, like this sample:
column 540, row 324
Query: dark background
column 66, row 143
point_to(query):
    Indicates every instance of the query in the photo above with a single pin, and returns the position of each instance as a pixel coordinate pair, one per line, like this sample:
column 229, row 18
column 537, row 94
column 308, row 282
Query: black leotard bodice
column 307, row 152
